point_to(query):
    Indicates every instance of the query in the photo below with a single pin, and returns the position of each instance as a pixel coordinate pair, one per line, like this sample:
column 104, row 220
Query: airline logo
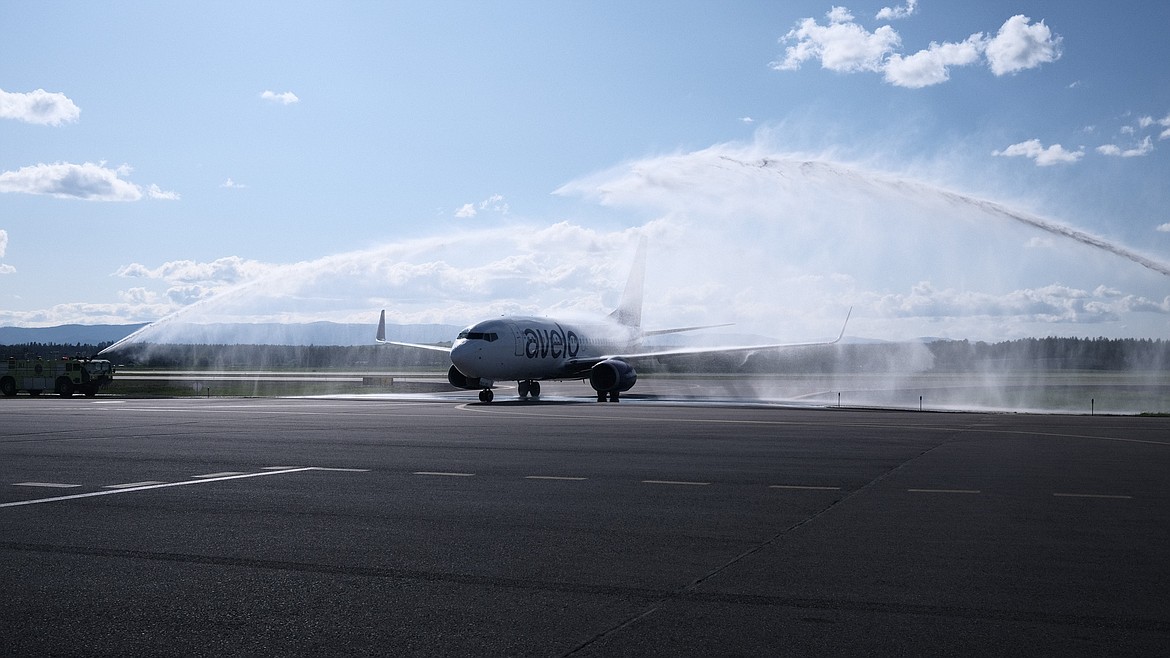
column 555, row 343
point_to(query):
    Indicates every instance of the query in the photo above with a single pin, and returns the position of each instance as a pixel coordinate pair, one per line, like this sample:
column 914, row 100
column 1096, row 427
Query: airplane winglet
column 846, row 324
column 381, row 335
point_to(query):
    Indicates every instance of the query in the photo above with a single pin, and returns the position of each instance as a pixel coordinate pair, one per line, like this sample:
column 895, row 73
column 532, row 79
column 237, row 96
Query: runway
column 434, row 526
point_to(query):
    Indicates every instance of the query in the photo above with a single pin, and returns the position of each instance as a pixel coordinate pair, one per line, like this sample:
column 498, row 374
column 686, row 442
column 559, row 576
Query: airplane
column 529, row 350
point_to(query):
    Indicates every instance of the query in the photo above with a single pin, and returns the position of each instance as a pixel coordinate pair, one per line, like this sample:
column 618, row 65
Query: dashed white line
column 130, row 485
column 680, row 482
column 444, row 474
column 553, row 477
column 1086, row 495
column 219, row 475
column 47, row 485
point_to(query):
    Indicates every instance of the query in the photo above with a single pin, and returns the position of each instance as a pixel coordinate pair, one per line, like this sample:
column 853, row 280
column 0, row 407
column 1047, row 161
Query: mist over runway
column 780, row 244
column 363, row 527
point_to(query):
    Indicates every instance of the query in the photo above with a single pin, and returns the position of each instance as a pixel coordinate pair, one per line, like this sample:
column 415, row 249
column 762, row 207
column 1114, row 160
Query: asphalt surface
column 414, row 526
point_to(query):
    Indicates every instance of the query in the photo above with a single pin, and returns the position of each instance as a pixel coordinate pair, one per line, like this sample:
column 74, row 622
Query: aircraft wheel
column 486, row 395
column 525, row 388
column 613, row 397
column 534, row 389
column 601, row 396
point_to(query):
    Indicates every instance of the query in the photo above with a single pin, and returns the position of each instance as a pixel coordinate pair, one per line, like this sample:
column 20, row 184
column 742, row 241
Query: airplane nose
column 464, row 356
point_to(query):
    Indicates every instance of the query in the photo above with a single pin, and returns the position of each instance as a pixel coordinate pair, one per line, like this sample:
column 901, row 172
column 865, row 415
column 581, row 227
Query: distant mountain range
column 315, row 333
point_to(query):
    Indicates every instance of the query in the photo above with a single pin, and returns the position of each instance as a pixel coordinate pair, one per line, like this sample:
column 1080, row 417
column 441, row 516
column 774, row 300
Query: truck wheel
column 8, row 387
column 64, row 387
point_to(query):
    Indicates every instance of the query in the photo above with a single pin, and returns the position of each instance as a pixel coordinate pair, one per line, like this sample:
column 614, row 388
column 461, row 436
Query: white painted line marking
column 1080, row 495
column 801, row 486
column 443, row 474
column 553, row 477
column 130, row 485
column 48, row 485
column 277, row 468
column 691, row 484
column 954, row 491
column 343, row 470
column 110, row 492
column 219, row 475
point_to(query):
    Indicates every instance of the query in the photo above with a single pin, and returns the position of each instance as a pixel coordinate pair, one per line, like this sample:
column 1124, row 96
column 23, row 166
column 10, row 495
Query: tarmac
column 435, row 525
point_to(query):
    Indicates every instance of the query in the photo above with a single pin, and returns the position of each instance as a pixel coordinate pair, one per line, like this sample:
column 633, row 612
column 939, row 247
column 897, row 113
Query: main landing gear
column 528, row 387
column 613, row 396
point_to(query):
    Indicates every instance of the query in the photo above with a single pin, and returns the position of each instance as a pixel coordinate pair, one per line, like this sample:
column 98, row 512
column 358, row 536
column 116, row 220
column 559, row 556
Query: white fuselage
column 530, row 348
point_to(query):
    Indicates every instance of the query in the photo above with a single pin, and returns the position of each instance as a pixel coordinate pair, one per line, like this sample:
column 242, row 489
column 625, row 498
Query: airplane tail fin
column 629, row 309
column 381, row 335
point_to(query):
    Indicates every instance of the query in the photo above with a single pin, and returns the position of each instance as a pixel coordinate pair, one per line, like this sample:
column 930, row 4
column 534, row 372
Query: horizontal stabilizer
column 380, row 337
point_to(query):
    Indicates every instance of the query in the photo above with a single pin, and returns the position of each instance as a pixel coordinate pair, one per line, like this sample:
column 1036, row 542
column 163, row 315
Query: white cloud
column 88, row 181
column 494, row 203
column 1149, row 122
column 64, row 180
column 40, row 106
column 1048, row 304
column 1019, row 46
column 222, row 271
column 155, row 192
column 284, row 98
column 233, row 185
column 897, row 12
column 931, row 66
column 1165, row 228
column 844, row 46
column 4, row 269
column 747, row 120
column 1033, row 149
column 1163, row 122
column 1144, row 148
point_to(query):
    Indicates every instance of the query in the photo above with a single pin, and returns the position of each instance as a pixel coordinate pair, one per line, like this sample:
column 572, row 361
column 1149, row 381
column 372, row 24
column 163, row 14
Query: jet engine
column 612, row 376
column 459, row 380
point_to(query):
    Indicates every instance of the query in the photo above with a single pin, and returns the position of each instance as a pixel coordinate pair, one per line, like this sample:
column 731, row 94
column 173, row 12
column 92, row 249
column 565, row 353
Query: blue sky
column 455, row 160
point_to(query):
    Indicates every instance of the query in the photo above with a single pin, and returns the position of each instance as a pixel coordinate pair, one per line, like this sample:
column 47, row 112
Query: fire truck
column 65, row 377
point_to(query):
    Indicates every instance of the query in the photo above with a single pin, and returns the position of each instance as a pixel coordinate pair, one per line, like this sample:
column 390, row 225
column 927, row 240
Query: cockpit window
column 479, row 335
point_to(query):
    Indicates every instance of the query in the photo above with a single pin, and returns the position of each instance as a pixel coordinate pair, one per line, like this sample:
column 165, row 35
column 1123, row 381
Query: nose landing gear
column 486, row 395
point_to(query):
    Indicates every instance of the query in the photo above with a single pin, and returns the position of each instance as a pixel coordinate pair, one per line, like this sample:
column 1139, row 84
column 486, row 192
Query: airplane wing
column 663, row 332
column 698, row 351
column 381, row 338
